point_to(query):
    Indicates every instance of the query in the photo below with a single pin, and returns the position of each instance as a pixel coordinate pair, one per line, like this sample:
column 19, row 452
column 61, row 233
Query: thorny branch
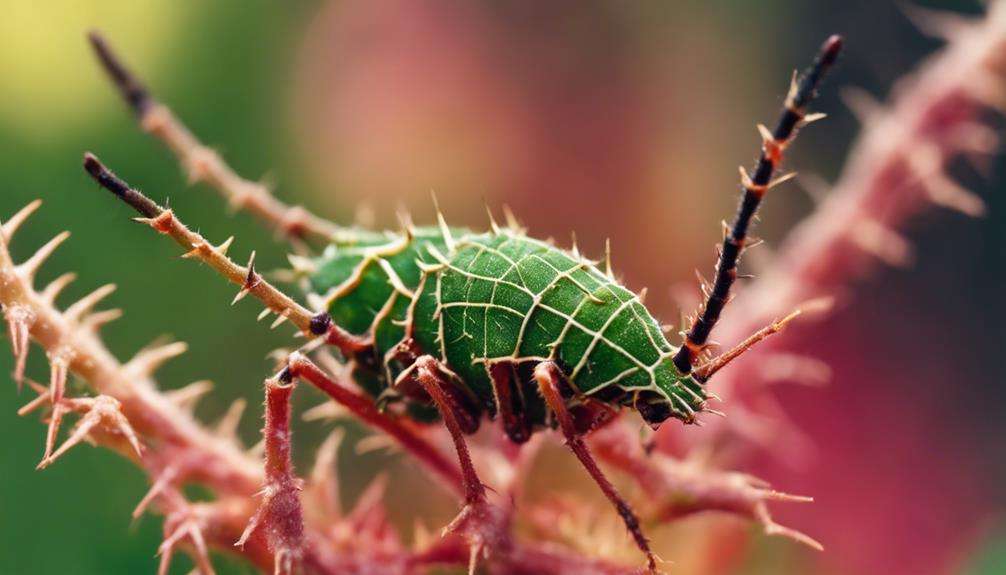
column 165, row 222
column 891, row 176
column 157, row 430
column 204, row 164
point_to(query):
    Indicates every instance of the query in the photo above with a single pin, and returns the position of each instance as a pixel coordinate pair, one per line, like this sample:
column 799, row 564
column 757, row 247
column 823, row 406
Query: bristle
column 445, row 230
column 493, row 226
column 607, row 259
column 511, row 220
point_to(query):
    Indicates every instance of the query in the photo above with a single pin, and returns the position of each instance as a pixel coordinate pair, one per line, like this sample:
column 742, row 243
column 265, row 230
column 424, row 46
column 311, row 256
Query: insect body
column 445, row 322
column 491, row 305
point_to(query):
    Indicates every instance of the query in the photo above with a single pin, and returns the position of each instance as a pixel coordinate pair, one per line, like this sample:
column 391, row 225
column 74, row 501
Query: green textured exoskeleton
column 451, row 323
column 489, row 306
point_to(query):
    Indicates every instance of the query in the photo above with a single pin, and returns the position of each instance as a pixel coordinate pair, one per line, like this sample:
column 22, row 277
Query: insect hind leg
column 550, row 379
column 481, row 524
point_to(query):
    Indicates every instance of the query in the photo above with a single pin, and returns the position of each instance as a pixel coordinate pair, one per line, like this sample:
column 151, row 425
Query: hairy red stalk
column 279, row 515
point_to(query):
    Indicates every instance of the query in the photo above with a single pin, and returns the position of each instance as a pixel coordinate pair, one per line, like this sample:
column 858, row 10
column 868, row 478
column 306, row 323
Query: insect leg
column 300, row 367
column 480, row 523
column 509, row 402
column 550, row 379
column 202, row 163
column 794, row 116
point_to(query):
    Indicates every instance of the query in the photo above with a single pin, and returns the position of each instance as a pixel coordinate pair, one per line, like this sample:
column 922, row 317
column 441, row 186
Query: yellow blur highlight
column 50, row 81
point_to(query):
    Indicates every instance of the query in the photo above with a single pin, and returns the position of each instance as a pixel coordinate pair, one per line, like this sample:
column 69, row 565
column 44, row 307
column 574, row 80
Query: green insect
column 464, row 326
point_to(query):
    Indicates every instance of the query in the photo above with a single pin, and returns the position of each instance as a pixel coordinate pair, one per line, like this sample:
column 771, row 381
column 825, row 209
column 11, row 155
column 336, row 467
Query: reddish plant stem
column 363, row 407
column 280, row 514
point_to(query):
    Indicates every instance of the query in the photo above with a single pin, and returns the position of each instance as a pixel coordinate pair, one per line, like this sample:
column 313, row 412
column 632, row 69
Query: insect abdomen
column 506, row 297
column 493, row 297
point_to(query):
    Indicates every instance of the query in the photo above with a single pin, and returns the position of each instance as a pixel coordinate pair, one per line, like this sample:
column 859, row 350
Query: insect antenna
column 794, row 116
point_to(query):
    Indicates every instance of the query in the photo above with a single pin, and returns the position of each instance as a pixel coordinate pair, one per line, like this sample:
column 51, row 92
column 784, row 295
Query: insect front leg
column 550, row 381
column 480, row 523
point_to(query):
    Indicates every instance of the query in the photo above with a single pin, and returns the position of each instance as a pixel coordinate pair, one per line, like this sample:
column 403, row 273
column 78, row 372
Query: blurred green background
column 604, row 117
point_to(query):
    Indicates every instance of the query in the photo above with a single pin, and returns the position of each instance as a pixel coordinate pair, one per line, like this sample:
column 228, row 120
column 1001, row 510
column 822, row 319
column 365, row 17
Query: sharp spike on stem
column 889, row 246
column 95, row 321
column 31, row 266
column 148, row 360
column 939, row 24
column 162, row 483
column 19, row 321
column 85, row 304
column 102, row 410
column 52, row 291
column 862, row 104
column 187, row 397
column 41, row 399
column 324, row 479
column 59, row 366
column 279, row 320
column 228, row 425
column 11, row 226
